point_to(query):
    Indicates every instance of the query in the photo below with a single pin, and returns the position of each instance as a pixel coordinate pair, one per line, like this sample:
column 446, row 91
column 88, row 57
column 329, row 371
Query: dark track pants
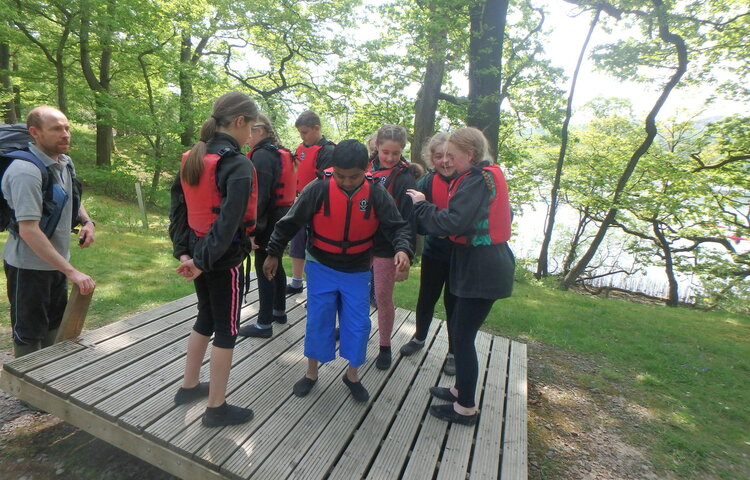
column 469, row 315
column 432, row 281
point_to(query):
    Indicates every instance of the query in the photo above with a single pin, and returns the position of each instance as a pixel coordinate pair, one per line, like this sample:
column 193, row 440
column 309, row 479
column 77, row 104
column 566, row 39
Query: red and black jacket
column 387, row 176
column 345, row 224
column 203, row 200
column 396, row 180
column 285, row 188
column 494, row 229
column 311, row 161
column 223, row 247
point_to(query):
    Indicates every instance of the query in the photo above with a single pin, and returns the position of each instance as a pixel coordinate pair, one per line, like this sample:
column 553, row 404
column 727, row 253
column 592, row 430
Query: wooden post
column 74, row 315
column 141, row 205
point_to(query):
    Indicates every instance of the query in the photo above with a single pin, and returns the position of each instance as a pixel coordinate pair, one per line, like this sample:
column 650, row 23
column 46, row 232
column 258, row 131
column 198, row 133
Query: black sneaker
column 291, row 290
column 226, row 414
column 359, row 392
column 450, row 366
column 253, row 330
column 443, row 394
column 303, row 386
column 383, row 361
column 280, row 319
column 411, row 348
column 187, row 395
column 447, row 413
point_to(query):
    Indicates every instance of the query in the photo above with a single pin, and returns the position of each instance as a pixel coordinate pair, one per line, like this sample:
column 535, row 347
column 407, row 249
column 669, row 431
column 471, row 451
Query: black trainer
column 411, row 348
column 226, row 414
column 447, row 413
column 383, row 361
column 291, row 290
column 253, row 330
column 443, row 393
column 359, row 392
column 187, row 395
column 303, row 386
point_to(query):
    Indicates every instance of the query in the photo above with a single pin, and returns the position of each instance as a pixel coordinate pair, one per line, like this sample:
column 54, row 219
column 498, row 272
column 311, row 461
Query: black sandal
column 443, row 393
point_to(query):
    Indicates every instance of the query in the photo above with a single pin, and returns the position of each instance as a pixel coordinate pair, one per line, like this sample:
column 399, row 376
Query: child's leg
column 322, row 301
column 385, row 274
column 226, row 299
column 196, row 350
column 354, row 318
column 297, row 254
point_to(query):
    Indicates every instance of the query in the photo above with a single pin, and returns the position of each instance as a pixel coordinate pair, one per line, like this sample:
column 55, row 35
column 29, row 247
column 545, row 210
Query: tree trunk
column 427, row 99
column 186, row 91
column 542, row 266
column 8, row 107
column 62, row 98
column 666, row 252
column 485, row 67
column 100, row 86
column 16, row 91
column 682, row 60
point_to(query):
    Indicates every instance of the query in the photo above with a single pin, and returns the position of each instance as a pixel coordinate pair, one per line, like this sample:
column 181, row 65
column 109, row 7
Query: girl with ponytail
column 212, row 213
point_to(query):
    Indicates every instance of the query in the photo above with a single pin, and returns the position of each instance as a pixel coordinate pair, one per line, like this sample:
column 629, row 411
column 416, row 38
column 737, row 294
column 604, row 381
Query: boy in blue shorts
column 345, row 210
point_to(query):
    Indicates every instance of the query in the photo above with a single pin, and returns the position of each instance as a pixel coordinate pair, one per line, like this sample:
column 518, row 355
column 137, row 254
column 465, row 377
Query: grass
column 690, row 370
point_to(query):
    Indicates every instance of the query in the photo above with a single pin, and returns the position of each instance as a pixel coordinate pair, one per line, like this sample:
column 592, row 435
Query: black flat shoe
column 303, row 386
column 253, row 330
column 225, row 415
column 187, row 395
column 359, row 392
column 447, row 413
column 443, row 393
column 290, row 290
column 383, row 362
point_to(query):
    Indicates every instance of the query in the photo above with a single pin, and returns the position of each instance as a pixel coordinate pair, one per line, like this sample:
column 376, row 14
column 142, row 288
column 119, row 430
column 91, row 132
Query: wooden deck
column 118, row 383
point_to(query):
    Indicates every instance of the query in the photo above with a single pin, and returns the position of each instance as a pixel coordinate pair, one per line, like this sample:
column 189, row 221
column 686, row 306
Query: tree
column 542, row 266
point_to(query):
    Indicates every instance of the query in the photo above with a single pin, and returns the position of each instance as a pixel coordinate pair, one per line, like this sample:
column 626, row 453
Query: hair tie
column 215, row 118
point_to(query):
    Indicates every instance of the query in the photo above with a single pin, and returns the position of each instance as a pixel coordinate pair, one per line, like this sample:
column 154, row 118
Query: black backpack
column 14, row 145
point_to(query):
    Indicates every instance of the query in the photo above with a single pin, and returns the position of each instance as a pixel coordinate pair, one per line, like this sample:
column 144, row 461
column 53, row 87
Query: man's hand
column 85, row 283
column 86, row 235
column 270, row 266
column 188, row 270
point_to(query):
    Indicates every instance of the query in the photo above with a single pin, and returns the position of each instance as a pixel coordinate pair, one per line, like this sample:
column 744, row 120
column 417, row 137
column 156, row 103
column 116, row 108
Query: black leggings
column 271, row 294
column 469, row 315
column 433, row 280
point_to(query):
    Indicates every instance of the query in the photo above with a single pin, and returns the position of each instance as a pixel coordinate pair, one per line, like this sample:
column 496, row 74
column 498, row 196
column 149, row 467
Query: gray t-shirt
column 22, row 187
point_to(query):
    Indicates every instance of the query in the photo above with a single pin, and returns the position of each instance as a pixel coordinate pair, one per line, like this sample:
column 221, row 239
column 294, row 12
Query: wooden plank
column 74, row 315
column 143, row 411
column 253, row 358
column 280, row 444
column 108, row 431
column 333, row 440
column 515, row 442
column 45, row 356
column 395, row 448
column 423, row 460
column 454, row 462
column 485, row 463
column 389, row 412
column 137, row 342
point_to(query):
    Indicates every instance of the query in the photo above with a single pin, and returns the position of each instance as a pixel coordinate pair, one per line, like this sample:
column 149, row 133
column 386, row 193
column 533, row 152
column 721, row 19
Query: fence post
column 141, row 205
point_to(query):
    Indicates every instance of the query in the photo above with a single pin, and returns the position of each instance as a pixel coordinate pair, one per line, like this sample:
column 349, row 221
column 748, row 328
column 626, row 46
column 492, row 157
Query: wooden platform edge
column 138, row 446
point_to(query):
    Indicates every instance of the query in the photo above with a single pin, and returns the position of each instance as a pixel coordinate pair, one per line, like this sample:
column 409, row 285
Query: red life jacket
column 497, row 229
column 387, row 176
column 204, row 200
column 285, row 189
column 307, row 164
column 345, row 225
column 439, row 191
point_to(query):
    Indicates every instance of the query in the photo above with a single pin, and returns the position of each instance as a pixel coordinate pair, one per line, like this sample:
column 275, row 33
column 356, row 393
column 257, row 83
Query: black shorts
column 37, row 302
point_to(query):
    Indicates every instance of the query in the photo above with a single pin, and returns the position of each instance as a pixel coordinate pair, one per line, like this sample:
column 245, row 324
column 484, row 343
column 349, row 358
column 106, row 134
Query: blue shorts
column 298, row 244
column 331, row 292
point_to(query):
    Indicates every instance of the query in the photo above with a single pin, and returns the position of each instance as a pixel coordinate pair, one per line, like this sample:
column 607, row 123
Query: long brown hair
column 226, row 109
